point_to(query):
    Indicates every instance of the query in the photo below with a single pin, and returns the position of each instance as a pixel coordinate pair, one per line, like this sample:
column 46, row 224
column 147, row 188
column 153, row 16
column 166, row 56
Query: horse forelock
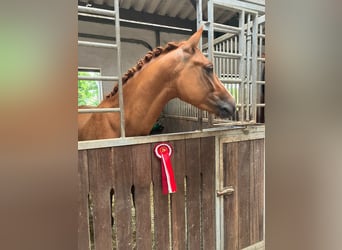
column 144, row 60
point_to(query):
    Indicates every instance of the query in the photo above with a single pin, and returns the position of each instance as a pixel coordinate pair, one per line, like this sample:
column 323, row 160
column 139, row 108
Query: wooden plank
column 100, row 162
column 123, row 182
column 141, row 160
column 231, row 208
column 83, row 214
column 256, row 191
column 161, row 207
column 262, row 189
column 244, row 192
column 207, row 156
column 193, row 205
column 177, row 199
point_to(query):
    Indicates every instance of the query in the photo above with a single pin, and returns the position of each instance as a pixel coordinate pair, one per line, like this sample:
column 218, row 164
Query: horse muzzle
column 226, row 109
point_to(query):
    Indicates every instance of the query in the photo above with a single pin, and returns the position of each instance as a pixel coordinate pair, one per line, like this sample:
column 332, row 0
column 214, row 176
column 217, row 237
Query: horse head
column 198, row 84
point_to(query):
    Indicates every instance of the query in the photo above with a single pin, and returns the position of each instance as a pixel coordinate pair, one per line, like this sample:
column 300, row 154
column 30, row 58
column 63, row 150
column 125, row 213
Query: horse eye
column 209, row 68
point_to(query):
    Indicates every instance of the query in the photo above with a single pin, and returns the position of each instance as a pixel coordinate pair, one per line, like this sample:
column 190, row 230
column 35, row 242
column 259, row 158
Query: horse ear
column 195, row 38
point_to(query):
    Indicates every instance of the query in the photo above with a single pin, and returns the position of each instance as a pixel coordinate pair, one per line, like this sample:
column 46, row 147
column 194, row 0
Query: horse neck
column 145, row 95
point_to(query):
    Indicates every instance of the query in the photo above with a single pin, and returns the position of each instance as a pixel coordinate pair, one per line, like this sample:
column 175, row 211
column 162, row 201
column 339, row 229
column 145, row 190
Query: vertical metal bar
column 219, row 210
column 220, row 60
column 254, row 66
column 248, row 68
column 236, row 51
column 210, row 8
column 231, row 60
column 242, row 46
column 199, row 24
column 118, row 42
column 259, row 64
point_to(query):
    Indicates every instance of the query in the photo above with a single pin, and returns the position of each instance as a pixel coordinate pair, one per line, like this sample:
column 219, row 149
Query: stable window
column 89, row 91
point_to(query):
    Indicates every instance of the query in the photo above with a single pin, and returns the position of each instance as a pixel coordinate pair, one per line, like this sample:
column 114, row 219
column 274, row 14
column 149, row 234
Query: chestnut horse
column 177, row 70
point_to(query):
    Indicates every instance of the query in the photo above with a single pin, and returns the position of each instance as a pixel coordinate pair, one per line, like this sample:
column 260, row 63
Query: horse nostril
column 227, row 110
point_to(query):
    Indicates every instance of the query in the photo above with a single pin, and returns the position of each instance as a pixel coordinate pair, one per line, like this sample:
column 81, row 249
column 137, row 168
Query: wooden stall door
column 243, row 168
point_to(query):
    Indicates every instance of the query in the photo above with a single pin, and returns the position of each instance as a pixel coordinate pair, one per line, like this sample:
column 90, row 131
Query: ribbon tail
column 168, row 179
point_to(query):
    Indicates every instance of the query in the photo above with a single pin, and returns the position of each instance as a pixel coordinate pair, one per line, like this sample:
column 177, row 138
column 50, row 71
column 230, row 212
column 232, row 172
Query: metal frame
column 107, row 14
column 247, row 35
column 236, row 61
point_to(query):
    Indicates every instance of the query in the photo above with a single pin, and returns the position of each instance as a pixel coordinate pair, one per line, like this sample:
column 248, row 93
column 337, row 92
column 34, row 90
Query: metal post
column 254, row 67
column 219, row 211
column 248, row 67
column 118, row 43
column 242, row 45
column 199, row 24
column 210, row 44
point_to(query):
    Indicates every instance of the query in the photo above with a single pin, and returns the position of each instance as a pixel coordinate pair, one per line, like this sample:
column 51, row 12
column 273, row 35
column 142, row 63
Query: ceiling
column 179, row 13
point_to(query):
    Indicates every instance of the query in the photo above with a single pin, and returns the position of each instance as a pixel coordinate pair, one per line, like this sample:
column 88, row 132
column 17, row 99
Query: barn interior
column 145, row 25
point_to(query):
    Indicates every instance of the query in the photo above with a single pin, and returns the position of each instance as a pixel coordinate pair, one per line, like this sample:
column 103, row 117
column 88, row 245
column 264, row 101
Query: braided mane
column 147, row 58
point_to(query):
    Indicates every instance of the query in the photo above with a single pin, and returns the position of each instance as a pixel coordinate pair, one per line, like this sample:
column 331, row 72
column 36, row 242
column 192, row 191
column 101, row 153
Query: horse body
column 178, row 70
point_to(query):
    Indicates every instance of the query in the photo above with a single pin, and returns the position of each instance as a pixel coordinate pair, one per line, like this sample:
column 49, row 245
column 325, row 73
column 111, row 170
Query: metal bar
column 224, row 37
column 100, row 78
column 99, row 110
column 260, row 58
column 199, row 24
column 231, row 61
column 223, row 54
column 210, row 7
column 248, row 66
column 138, row 23
column 242, row 45
column 97, row 45
column 226, row 28
column 236, row 51
column 254, row 66
column 97, row 11
column 240, row 5
column 219, row 209
column 230, row 80
column 118, row 42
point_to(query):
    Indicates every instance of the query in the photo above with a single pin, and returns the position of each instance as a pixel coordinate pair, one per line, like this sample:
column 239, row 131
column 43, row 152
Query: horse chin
column 224, row 114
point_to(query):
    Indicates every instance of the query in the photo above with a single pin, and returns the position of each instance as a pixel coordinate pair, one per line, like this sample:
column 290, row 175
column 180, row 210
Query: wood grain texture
column 123, row 182
column 161, row 208
column 208, row 192
column 83, row 214
column 178, row 199
column 189, row 213
column 141, row 164
column 100, row 162
column 243, row 166
column 193, row 182
column 231, row 204
column 243, row 211
column 257, row 191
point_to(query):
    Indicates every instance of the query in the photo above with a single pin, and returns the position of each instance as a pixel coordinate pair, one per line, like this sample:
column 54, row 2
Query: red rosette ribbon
column 163, row 151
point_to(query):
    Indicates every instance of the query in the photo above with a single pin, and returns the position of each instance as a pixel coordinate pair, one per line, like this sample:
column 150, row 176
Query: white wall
column 105, row 59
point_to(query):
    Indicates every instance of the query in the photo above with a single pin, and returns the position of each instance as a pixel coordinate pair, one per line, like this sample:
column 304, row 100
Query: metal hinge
column 226, row 191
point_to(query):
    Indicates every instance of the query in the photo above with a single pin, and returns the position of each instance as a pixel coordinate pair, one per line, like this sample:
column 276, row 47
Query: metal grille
column 107, row 13
column 238, row 57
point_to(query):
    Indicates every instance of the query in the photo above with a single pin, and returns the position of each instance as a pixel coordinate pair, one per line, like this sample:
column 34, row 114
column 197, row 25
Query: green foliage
column 88, row 90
